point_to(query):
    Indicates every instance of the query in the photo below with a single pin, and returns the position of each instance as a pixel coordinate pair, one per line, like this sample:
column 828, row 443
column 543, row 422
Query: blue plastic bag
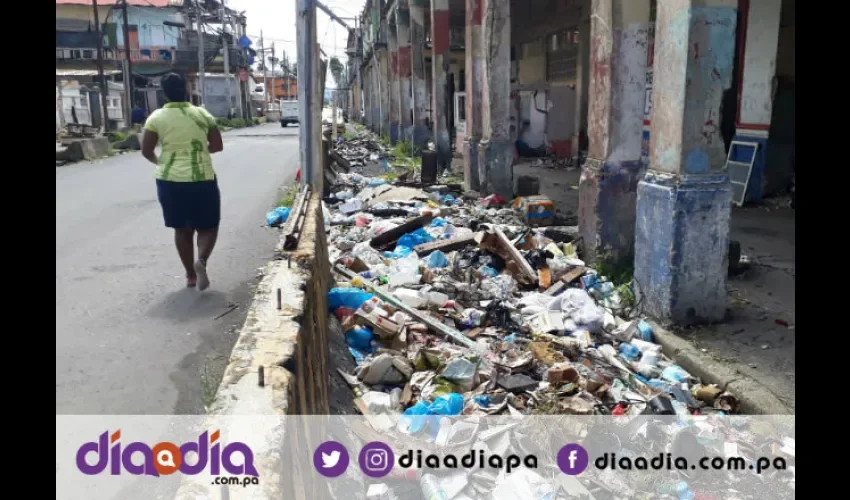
column 277, row 216
column 488, row 272
column 447, row 404
column 400, row 252
column 438, row 222
column 415, row 238
column 438, row 259
column 448, row 199
column 377, row 182
column 359, row 338
column 358, row 356
column 347, row 297
column 417, row 416
column 482, row 400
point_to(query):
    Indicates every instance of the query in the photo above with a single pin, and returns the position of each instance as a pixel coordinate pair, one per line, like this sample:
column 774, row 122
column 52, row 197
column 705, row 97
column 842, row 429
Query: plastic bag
column 277, row 216
column 438, row 259
column 359, row 338
column 415, row 417
column 347, row 297
column 447, row 404
column 415, row 238
column 578, row 305
column 501, row 287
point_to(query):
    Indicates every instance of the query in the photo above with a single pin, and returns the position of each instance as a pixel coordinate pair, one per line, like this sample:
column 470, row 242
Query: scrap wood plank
column 570, row 276
column 342, row 162
column 445, row 245
column 527, row 272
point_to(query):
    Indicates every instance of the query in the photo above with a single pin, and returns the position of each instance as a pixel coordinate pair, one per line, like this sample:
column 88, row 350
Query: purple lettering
column 99, row 448
column 247, row 466
column 137, row 470
column 200, row 449
column 215, row 460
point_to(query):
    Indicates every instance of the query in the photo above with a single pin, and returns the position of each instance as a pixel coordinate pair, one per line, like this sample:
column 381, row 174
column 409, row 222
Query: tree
column 338, row 72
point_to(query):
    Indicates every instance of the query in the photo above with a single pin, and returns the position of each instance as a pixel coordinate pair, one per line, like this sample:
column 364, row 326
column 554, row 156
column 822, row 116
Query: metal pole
column 235, row 37
column 307, row 40
column 226, row 50
column 104, row 90
column 128, row 79
column 333, row 115
column 274, row 89
column 201, row 55
column 265, row 75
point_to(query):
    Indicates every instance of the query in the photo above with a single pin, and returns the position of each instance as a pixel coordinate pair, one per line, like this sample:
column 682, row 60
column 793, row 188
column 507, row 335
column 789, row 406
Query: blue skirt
column 190, row 205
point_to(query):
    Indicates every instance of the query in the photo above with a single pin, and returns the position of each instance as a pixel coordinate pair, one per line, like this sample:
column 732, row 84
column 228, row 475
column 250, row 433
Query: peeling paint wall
column 759, row 61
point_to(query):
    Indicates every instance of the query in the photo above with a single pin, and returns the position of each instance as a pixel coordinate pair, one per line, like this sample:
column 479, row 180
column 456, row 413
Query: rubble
column 469, row 307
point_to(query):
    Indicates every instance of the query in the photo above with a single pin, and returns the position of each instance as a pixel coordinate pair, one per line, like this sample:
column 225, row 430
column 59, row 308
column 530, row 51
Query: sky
column 276, row 20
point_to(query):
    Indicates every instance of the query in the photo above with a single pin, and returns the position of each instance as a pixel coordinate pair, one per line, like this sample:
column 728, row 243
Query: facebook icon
column 572, row 459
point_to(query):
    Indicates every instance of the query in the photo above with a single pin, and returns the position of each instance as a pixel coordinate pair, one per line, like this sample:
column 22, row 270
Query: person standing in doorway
column 186, row 184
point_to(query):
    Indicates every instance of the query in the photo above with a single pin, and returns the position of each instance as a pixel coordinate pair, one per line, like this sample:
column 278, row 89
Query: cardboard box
column 536, row 210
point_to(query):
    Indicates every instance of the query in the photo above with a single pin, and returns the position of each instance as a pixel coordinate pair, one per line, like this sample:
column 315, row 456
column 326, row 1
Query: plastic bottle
column 431, row 489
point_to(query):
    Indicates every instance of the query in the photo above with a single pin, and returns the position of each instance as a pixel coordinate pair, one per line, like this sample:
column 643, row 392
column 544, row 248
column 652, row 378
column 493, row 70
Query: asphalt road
column 130, row 338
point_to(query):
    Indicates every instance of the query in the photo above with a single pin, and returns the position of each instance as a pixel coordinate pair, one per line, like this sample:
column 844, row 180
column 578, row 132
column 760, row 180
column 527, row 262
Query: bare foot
column 191, row 281
column 201, row 271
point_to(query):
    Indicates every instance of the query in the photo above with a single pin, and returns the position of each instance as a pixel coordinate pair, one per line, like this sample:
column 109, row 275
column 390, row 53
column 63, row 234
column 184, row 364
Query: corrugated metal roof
column 140, row 3
column 85, row 72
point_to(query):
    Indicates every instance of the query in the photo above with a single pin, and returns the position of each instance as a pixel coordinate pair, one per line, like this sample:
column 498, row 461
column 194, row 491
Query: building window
column 76, row 54
column 562, row 55
column 88, row 54
column 84, row 102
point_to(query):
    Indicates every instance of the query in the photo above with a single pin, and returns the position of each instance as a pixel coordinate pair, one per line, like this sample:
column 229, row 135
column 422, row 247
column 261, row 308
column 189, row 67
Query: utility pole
column 274, row 89
column 226, row 60
column 201, row 54
column 288, row 76
column 265, row 75
column 235, row 37
column 104, row 90
column 309, row 138
column 128, row 79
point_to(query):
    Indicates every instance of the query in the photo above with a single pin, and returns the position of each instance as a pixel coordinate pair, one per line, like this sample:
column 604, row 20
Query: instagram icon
column 376, row 459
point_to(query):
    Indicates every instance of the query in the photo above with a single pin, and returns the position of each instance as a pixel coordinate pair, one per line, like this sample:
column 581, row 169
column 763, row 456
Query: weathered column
column 417, row 66
column 392, row 43
column 608, row 185
column 376, row 94
column 404, row 70
column 474, row 86
column 582, row 83
column 384, row 92
column 496, row 154
column 683, row 202
column 367, row 90
column 439, row 70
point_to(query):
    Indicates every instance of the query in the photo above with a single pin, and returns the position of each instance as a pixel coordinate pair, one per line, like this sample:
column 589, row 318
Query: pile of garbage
column 453, row 305
column 441, row 294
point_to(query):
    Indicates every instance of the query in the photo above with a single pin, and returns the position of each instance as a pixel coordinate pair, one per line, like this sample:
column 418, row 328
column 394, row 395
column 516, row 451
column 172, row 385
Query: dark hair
column 174, row 87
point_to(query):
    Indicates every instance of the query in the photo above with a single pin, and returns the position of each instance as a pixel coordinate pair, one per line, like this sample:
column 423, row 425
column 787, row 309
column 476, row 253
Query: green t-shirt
column 182, row 129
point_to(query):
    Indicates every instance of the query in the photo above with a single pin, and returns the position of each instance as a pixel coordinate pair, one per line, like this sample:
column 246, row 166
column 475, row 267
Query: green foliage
column 237, row 123
column 288, row 197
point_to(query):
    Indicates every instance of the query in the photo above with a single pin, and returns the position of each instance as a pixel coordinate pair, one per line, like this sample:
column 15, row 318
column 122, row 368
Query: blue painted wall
column 152, row 33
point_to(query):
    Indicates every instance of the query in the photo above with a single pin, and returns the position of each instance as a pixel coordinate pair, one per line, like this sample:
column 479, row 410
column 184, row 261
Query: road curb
column 755, row 397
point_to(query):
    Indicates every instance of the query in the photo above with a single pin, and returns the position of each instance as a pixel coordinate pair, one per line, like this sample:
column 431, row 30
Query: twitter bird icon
column 330, row 459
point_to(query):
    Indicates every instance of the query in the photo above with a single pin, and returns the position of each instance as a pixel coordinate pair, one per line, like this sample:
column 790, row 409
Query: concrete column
column 376, row 94
column 404, row 70
column 366, row 76
column 439, row 71
column 474, row 86
column 608, row 185
column 384, row 92
column 421, row 134
column 395, row 117
column 683, row 202
column 496, row 154
column 582, row 83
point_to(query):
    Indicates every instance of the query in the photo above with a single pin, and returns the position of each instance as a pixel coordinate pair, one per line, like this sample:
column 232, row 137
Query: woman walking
column 186, row 183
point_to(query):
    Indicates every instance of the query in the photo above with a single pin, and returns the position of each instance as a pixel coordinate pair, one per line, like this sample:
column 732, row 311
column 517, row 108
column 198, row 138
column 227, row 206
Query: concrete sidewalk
column 757, row 342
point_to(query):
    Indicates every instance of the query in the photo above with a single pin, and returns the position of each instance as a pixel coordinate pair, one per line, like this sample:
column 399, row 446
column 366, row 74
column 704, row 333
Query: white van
column 288, row 112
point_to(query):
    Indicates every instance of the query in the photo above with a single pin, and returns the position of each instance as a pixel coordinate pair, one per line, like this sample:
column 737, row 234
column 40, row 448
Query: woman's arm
column 216, row 144
column 149, row 140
